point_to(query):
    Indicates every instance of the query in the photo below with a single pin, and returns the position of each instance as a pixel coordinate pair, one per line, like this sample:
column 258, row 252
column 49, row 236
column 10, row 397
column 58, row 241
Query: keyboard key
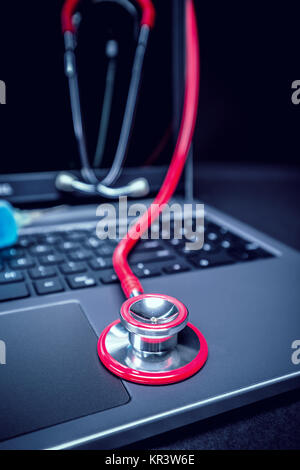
column 240, row 254
column 210, row 260
column 251, row 246
column 223, row 231
column 11, row 276
column 101, row 263
column 10, row 253
column 226, row 244
column 232, row 239
column 41, row 250
column 144, row 271
column 76, row 235
column 52, row 259
column 177, row 267
column 72, row 267
column 26, row 241
column 22, row 263
column 48, row 286
column 41, row 272
column 253, row 253
column 68, row 246
column 13, row 291
column 176, row 242
column 93, row 243
column 206, row 248
column 109, row 278
column 106, row 250
column 80, row 281
column 188, row 253
column 211, row 236
column 149, row 245
column 80, row 255
column 210, row 247
column 51, row 239
column 159, row 255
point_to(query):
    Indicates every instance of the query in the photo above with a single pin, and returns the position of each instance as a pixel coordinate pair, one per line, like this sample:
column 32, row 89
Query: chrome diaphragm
column 152, row 343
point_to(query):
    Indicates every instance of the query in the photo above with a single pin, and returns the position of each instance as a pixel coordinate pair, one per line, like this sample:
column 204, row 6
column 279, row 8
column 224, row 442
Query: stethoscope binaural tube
column 148, row 14
column 88, row 174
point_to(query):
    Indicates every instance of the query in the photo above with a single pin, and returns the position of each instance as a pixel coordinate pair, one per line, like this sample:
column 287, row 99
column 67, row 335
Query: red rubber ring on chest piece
column 152, row 378
column 127, row 316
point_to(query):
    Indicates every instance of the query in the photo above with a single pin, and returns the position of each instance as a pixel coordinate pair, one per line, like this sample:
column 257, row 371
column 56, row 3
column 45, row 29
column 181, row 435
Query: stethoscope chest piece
column 152, row 343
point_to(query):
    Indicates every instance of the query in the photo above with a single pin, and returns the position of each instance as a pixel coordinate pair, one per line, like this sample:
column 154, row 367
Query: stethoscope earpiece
column 153, row 343
column 68, row 182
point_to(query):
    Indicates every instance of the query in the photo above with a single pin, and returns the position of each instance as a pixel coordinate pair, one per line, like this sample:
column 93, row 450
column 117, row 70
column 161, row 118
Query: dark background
column 249, row 59
column 249, row 53
column 36, row 124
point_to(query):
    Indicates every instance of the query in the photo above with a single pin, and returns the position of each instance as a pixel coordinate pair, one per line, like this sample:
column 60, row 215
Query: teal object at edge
column 8, row 225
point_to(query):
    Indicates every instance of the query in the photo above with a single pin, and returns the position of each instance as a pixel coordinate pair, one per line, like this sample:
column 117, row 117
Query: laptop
column 58, row 290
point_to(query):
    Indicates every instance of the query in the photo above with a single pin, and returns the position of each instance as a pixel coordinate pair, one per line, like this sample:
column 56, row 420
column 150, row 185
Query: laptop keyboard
column 43, row 264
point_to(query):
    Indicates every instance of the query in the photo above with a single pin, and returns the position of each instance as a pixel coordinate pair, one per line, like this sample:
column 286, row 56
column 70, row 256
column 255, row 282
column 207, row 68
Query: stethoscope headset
column 89, row 184
column 152, row 342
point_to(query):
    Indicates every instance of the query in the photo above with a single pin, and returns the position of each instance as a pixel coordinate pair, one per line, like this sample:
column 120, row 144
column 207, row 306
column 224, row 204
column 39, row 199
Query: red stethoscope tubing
column 129, row 281
column 148, row 14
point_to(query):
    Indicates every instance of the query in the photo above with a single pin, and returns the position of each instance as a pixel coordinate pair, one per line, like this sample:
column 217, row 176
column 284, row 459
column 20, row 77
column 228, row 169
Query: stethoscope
column 152, row 341
column 89, row 184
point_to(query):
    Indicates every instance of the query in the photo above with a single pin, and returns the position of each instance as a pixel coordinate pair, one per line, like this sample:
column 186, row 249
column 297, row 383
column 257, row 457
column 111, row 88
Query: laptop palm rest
column 52, row 373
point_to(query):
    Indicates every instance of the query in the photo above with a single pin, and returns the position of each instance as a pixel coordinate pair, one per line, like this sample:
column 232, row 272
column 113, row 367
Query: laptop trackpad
column 52, row 372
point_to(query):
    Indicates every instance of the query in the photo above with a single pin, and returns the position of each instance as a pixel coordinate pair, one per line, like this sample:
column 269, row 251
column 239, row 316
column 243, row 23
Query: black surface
column 52, row 372
column 270, row 424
